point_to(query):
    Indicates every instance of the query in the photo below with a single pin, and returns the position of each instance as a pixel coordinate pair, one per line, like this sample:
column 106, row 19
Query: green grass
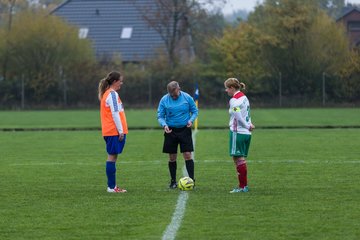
column 146, row 118
column 304, row 184
column 55, row 189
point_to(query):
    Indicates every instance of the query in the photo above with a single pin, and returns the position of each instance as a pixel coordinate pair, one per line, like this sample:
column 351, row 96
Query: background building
column 116, row 27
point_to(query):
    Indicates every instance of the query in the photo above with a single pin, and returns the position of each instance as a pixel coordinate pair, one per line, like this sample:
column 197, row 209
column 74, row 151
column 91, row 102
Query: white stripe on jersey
column 233, row 146
column 112, row 102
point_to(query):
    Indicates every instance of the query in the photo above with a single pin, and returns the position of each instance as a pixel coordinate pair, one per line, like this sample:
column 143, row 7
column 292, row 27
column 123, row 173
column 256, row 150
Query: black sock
column 190, row 168
column 172, row 170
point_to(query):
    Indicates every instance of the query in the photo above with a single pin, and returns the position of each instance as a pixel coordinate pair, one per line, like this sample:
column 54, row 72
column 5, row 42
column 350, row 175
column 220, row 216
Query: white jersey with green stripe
column 240, row 120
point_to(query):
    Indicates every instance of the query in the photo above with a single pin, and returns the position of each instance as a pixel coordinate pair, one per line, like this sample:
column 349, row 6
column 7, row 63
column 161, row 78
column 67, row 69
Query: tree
column 6, row 14
column 204, row 29
column 333, row 7
column 328, row 55
column 173, row 20
column 349, row 86
column 43, row 49
column 289, row 37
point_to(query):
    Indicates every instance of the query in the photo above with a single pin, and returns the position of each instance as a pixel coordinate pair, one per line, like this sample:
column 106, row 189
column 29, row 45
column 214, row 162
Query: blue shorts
column 113, row 145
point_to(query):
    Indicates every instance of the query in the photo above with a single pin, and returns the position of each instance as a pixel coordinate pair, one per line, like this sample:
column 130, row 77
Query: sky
column 250, row 4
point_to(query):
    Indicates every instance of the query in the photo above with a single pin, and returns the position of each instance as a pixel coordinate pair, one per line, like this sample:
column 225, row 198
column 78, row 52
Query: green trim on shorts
column 239, row 144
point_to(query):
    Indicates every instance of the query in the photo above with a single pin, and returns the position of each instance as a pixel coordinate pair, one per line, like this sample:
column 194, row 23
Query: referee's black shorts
column 178, row 136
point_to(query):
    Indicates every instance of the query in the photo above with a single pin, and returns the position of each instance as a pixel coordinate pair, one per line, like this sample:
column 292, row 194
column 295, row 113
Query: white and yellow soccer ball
column 186, row 184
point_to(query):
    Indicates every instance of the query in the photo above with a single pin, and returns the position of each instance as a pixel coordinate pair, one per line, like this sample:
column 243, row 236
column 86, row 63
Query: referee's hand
column 167, row 130
column 189, row 124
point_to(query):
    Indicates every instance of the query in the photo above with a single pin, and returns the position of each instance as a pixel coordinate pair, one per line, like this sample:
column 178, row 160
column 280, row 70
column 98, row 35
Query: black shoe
column 173, row 185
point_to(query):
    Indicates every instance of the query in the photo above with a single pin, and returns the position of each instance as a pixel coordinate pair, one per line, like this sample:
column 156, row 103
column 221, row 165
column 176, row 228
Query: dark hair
column 105, row 83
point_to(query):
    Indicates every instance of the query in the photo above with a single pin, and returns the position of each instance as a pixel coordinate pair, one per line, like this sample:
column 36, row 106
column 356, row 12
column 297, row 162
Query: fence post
column 280, row 89
column 323, row 89
column 22, row 92
column 150, row 92
column 63, row 79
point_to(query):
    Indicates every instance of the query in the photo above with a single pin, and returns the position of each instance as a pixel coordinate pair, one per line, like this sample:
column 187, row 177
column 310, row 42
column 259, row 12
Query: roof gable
column 106, row 19
column 348, row 11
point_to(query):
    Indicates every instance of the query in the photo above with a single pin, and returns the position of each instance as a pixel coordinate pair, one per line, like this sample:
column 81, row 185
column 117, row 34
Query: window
column 126, row 32
column 354, row 26
column 83, row 32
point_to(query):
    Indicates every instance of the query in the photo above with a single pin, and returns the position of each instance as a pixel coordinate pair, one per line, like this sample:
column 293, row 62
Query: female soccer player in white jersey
column 240, row 130
column 113, row 125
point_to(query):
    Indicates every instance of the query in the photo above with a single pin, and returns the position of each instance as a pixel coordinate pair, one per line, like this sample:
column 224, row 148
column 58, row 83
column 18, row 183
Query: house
column 351, row 20
column 114, row 27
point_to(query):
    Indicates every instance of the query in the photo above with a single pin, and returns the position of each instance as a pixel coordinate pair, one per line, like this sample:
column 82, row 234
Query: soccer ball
column 186, row 184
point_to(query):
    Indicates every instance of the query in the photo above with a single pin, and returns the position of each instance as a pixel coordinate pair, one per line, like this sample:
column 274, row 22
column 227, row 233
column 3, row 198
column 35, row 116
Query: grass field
column 304, row 183
column 146, row 118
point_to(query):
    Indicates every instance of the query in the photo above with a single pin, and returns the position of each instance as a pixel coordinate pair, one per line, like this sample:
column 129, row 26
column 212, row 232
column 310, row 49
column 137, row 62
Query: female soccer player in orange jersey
column 113, row 125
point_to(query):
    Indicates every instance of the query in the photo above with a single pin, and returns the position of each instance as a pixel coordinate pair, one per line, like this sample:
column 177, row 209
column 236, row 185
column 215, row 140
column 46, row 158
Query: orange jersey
column 113, row 119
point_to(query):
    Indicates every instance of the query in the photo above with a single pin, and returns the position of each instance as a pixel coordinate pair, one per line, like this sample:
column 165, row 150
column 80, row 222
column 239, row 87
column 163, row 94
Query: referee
column 176, row 113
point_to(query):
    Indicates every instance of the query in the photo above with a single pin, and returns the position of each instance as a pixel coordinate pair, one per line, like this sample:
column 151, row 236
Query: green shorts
column 239, row 144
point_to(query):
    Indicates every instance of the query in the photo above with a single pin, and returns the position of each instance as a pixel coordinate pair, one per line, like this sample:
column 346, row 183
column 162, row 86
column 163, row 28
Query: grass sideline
column 304, row 185
column 208, row 118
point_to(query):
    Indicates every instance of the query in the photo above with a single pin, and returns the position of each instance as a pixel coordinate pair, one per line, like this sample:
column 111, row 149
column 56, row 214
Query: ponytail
column 233, row 82
column 242, row 86
column 105, row 83
column 103, row 86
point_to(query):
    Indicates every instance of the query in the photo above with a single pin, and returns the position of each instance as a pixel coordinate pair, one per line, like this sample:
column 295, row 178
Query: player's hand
column 189, row 124
column 252, row 127
column 121, row 137
column 167, row 130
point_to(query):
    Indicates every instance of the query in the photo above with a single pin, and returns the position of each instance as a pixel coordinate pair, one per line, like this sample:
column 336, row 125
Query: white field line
column 155, row 162
column 178, row 215
column 289, row 161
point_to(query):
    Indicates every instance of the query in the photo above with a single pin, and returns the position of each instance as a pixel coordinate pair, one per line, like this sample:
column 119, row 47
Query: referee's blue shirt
column 176, row 113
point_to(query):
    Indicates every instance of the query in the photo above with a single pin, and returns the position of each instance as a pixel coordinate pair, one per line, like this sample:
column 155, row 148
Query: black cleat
column 173, row 185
